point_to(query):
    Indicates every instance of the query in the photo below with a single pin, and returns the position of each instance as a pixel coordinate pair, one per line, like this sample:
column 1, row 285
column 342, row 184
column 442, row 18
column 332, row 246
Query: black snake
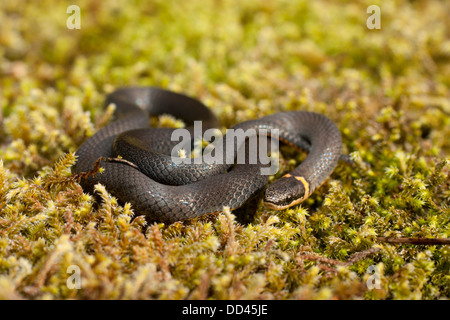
column 172, row 192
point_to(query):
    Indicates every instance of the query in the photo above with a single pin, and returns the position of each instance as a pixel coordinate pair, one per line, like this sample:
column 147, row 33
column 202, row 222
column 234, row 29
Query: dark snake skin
column 180, row 192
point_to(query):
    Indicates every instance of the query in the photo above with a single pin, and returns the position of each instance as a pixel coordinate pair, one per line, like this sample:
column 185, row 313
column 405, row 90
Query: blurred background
column 242, row 58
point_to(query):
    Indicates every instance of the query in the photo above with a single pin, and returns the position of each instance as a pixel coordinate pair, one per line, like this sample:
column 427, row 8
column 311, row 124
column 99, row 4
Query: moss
column 387, row 90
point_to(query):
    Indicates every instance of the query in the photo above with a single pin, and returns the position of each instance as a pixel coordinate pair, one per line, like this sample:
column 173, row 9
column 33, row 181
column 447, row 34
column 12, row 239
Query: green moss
column 387, row 90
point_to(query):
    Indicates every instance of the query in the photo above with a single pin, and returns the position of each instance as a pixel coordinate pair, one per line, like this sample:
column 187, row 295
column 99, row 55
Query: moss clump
column 387, row 90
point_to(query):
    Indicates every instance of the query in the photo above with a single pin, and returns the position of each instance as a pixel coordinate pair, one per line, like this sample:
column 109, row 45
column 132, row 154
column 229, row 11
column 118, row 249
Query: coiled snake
column 176, row 192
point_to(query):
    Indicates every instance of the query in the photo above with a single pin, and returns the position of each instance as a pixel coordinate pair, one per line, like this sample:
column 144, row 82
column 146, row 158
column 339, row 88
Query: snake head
column 286, row 192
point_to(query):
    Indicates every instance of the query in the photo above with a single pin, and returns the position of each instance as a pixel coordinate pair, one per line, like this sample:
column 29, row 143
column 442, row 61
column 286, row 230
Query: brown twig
column 323, row 261
column 420, row 241
column 96, row 170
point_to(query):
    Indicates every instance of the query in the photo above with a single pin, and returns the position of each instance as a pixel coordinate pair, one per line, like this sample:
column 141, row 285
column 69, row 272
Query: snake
column 138, row 166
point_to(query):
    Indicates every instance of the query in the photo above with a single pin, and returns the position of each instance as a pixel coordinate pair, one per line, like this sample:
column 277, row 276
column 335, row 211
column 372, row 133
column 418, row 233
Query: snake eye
column 284, row 193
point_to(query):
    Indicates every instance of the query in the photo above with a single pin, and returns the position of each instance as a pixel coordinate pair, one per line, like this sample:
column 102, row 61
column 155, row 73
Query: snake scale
column 168, row 192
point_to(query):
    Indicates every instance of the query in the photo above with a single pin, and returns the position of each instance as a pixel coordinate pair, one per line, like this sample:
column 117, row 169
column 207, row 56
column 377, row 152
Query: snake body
column 171, row 192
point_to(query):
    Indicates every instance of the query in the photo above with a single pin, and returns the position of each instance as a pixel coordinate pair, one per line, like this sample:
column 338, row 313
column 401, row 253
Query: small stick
column 420, row 241
column 97, row 167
